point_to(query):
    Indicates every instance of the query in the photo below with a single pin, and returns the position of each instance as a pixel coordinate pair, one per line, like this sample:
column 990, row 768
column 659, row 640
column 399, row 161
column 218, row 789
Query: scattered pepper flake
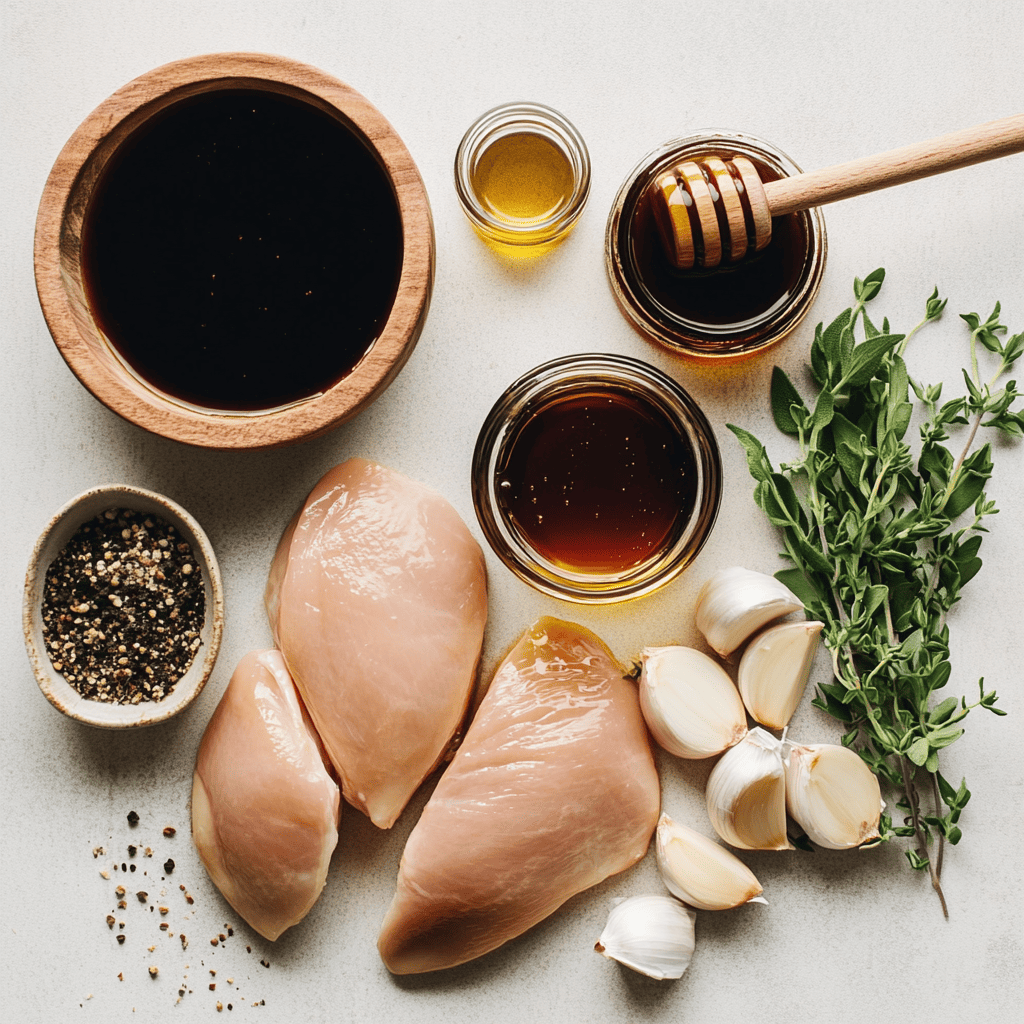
column 169, row 831
column 168, row 866
column 133, row 819
column 110, row 921
column 153, row 970
column 142, row 895
column 120, row 939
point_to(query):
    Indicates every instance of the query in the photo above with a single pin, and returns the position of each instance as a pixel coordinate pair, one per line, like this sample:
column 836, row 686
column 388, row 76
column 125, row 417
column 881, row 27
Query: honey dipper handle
column 870, row 173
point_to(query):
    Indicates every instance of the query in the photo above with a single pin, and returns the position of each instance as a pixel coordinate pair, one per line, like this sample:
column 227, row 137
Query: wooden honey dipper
column 703, row 219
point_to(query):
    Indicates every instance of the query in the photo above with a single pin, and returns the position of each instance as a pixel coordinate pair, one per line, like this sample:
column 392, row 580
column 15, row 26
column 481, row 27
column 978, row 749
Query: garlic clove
column 833, row 795
column 700, row 872
column 650, row 934
column 746, row 794
column 689, row 702
column 774, row 669
column 736, row 602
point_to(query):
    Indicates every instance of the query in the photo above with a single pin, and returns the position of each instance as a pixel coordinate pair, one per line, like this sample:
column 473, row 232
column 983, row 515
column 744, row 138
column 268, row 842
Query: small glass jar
column 596, row 478
column 731, row 311
column 522, row 174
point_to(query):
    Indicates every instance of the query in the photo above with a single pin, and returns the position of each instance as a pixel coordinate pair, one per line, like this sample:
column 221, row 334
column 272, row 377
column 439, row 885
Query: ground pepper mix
column 123, row 607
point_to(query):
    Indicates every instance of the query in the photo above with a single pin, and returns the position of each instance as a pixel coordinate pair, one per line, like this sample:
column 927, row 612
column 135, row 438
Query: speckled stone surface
column 846, row 936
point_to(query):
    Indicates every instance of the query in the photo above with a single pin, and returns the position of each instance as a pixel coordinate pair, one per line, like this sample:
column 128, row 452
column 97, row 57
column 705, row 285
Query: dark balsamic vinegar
column 243, row 250
column 598, row 481
column 731, row 293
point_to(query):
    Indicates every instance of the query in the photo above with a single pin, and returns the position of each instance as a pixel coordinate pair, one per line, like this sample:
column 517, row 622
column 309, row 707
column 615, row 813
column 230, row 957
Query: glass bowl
column 591, row 435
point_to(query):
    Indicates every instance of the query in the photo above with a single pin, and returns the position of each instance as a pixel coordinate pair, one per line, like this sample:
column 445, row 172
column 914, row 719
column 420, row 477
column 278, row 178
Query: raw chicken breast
column 264, row 808
column 378, row 599
column 553, row 789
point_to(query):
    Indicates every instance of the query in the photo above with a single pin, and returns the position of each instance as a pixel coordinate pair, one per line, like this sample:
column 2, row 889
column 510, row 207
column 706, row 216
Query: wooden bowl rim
column 57, row 690
column 147, row 408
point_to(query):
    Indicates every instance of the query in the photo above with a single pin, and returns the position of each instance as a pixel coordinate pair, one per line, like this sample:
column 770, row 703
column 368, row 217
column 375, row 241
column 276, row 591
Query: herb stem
column 954, row 477
column 903, row 344
column 922, row 843
column 938, row 813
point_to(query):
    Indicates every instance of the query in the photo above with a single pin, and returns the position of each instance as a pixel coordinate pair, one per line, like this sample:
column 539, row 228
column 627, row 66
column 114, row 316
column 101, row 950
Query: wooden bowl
column 58, row 253
column 57, row 690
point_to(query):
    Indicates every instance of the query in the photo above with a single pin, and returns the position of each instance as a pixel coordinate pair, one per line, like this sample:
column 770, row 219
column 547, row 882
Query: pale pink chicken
column 378, row 599
column 264, row 807
column 553, row 789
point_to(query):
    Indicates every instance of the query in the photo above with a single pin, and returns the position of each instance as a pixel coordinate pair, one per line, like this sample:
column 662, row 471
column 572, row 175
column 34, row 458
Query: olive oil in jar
column 523, row 179
column 598, row 481
column 522, row 174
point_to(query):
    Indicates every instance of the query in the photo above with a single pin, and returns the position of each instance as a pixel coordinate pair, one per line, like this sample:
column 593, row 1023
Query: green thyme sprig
column 881, row 544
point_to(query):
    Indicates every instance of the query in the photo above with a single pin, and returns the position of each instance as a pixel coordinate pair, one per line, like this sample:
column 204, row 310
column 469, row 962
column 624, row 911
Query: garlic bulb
column 746, row 794
column 774, row 669
column 700, row 872
column 833, row 795
column 736, row 602
column 651, row 934
column 689, row 702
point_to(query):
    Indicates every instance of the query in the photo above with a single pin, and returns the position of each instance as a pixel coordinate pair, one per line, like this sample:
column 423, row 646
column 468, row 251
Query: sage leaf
column 783, row 396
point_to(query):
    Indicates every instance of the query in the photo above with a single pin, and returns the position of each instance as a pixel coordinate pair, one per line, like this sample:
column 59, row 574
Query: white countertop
column 845, row 936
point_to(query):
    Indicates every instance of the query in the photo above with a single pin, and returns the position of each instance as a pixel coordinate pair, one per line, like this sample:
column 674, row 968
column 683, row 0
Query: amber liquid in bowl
column 242, row 251
column 597, row 481
column 596, row 478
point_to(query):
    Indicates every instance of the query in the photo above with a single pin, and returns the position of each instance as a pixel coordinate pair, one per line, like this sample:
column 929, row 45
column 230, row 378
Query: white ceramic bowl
column 57, row 690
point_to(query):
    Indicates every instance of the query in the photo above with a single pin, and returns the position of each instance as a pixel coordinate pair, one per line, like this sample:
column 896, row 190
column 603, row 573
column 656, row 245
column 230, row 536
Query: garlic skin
column 774, row 669
column 746, row 794
column 833, row 795
column 736, row 602
column 650, row 934
column 700, row 872
column 689, row 702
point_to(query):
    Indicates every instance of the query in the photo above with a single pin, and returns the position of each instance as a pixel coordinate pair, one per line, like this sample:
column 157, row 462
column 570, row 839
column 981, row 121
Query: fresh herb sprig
column 881, row 547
